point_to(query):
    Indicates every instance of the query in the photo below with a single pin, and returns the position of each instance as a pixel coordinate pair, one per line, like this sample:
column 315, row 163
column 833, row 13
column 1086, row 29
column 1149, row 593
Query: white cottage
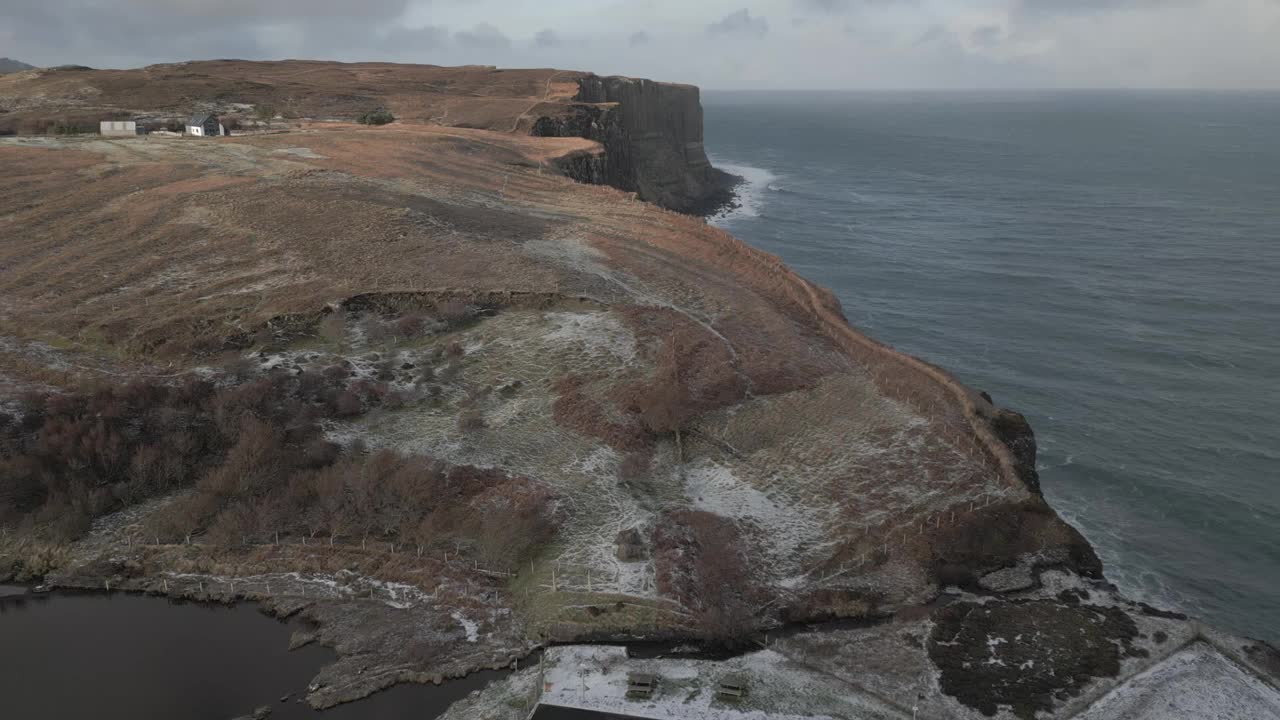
column 205, row 125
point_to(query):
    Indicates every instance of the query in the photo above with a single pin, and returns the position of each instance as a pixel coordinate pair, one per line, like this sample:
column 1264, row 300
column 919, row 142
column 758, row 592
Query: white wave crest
column 750, row 193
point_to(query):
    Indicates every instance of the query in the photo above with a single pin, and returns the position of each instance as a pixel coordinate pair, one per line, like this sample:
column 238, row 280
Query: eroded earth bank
column 417, row 386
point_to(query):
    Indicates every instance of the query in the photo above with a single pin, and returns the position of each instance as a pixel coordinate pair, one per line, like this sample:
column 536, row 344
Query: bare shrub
column 515, row 518
column 410, row 326
column 257, row 466
column 704, row 561
column 106, row 447
column 449, row 372
column 577, row 408
column 347, row 403
column 455, row 314
column 235, row 526
column 635, row 467
column 694, row 373
column 333, row 327
column 375, row 330
column 470, row 421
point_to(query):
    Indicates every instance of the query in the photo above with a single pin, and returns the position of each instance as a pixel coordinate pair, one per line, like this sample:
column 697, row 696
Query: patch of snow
column 470, row 627
column 790, row 530
column 343, row 584
column 597, row 334
column 301, row 152
column 1195, row 683
column 595, row 678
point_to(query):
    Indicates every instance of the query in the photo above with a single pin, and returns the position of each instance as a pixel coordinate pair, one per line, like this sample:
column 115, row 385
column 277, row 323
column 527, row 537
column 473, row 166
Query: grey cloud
column 290, row 10
column 1080, row 7
column 547, row 39
column 842, row 6
column 987, row 35
column 484, row 36
column 408, row 39
column 639, row 38
column 830, row 6
column 935, row 34
column 739, row 23
column 94, row 32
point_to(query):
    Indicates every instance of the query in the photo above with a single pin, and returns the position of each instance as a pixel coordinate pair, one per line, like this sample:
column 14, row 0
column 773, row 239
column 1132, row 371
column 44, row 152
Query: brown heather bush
column 333, row 327
column 470, row 421
column 455, row 314
column 346, row 403
column 704, row 561
column 635, row 467
column 68, row 458
column 575, row 407
column 412, row 502
column 409, row 326
column 257, row 467
column 693, row 375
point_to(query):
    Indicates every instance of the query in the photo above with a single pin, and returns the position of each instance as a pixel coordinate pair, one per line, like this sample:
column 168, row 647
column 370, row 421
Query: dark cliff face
column 652, row 135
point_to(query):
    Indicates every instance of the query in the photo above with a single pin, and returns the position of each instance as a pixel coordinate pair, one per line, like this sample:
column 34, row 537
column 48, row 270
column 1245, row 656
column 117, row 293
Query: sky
column 717, row 44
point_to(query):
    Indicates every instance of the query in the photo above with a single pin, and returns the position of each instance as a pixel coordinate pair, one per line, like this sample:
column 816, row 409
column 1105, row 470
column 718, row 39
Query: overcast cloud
column 714, row 43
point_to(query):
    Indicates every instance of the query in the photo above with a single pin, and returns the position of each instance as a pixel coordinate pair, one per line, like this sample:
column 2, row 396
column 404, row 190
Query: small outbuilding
column 205, row 125
column 641, row 685
column 119, row 128
column 732, row 687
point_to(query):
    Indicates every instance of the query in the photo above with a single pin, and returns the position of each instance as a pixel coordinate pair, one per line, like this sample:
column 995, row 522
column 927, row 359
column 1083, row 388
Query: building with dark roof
column 205, row 125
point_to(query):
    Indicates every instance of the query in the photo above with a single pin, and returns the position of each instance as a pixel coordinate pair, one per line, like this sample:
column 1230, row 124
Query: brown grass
column 473, row 96
column 129, row 251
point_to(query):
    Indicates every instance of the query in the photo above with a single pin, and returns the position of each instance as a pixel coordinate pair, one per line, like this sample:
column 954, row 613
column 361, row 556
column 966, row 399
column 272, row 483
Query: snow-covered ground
column 1195, row 683
column 342, row 585
column 595, row 678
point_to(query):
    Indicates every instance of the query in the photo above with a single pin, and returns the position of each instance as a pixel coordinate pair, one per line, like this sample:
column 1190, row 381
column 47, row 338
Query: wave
column 749, row 194
column 783, row 190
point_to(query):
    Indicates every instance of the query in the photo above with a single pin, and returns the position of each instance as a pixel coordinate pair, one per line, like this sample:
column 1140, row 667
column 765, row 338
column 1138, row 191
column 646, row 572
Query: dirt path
column 546, row 95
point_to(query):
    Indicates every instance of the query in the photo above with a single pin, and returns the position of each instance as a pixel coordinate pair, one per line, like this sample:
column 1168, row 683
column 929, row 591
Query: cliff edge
column 650, row 133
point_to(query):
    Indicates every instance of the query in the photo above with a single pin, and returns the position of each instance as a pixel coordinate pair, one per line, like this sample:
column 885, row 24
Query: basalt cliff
column 418, row 386
column 651, row 133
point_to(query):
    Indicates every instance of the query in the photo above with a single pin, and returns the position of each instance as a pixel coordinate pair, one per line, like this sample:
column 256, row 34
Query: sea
column 1106, row 263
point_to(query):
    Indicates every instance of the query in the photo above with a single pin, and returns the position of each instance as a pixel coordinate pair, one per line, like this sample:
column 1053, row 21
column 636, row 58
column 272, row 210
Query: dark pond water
column 108, row 657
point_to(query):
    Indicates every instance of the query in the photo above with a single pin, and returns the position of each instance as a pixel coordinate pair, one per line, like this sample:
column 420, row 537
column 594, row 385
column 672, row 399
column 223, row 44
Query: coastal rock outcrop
column 652, row 136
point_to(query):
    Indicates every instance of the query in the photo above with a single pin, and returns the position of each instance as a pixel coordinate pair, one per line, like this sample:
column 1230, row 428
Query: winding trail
column 546, row 95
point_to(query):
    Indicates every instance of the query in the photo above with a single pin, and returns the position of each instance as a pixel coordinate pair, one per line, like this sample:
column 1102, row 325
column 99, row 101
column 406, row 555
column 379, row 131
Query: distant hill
column 9, row 65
